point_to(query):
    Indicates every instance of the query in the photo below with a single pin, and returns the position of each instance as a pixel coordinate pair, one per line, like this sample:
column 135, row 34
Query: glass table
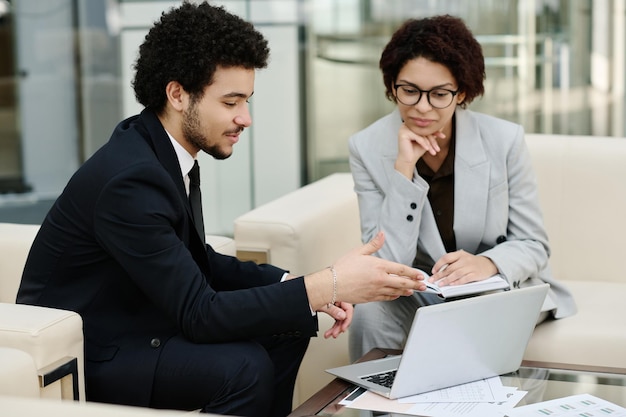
column 543, row 381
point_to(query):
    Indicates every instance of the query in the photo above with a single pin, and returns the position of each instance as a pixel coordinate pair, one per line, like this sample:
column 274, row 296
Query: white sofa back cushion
column 582, row 195
column 15, row 242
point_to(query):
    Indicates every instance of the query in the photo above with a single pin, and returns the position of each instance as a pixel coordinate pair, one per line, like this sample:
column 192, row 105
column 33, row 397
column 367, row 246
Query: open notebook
column 455, row 342
column 495, row 282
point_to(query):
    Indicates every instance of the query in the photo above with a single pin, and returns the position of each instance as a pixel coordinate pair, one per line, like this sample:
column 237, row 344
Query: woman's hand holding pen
column 460, row 267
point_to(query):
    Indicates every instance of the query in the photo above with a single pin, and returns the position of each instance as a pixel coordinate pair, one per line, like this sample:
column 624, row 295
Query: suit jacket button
column 413, row 206
column 155, row 343
column 409, row 218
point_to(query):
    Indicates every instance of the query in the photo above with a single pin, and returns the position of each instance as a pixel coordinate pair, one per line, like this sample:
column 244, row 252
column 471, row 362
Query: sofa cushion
column 583, row 200
column 596, row 335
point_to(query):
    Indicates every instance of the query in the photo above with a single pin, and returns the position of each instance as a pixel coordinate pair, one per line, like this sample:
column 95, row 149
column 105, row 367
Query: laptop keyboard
column 384, row 379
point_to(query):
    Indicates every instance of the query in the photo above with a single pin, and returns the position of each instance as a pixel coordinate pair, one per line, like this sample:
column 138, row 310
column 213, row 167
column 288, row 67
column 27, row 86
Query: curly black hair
column 187, row 45
column 443, row 39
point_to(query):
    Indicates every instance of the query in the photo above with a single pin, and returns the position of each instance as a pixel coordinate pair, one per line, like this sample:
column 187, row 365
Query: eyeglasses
column 438, row 98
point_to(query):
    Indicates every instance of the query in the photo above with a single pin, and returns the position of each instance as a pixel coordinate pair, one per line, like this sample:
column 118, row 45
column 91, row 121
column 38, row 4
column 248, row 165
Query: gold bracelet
column 334, row 299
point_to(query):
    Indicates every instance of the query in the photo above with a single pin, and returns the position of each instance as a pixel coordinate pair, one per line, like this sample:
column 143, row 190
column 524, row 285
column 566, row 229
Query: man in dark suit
column 168, row 322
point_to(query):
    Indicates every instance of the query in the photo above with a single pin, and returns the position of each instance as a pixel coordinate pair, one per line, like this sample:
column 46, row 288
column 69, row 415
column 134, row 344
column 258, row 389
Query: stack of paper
column 485, row 398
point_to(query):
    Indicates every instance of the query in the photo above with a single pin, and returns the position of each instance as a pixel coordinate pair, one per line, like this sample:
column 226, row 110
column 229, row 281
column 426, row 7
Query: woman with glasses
column 452, row 189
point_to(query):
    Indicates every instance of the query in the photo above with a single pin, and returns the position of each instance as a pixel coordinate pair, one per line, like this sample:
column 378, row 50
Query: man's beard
column 192, row 133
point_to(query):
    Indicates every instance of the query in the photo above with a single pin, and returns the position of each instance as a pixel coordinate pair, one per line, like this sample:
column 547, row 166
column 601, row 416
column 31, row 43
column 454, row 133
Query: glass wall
column 552, row 65
column 71, row 70
column 10, row 152
column 59, row 90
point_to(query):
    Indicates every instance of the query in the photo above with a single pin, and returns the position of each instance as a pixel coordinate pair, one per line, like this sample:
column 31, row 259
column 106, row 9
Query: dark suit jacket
column 119, row 247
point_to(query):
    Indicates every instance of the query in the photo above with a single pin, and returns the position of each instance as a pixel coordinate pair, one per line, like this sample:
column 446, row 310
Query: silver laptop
column 454, row 343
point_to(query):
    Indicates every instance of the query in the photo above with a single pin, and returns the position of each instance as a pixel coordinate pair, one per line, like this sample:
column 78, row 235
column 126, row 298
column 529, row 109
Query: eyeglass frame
column 453, row 92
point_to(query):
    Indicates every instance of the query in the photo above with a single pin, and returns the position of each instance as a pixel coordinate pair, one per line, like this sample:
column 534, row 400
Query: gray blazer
column 497, row 212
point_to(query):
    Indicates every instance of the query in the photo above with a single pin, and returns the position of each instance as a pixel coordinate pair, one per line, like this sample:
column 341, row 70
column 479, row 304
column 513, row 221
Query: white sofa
column 583, row 197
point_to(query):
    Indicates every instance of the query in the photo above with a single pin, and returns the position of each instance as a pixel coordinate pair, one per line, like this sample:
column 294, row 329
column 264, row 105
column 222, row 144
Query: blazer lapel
column 429, row 240
column 471, row 183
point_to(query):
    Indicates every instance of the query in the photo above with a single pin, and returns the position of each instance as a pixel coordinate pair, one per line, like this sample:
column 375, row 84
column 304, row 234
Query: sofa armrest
column 305, row 230
column 18, row 374
column 222, row 244
column 54, row 340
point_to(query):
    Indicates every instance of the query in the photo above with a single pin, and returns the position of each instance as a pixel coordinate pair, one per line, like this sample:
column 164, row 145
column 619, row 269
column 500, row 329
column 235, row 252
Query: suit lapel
column 160, row 142
column 166, row 154
column 471, row 183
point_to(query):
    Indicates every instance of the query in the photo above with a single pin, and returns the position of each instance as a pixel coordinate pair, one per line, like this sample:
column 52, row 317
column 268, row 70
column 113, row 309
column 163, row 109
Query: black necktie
column 195, row 199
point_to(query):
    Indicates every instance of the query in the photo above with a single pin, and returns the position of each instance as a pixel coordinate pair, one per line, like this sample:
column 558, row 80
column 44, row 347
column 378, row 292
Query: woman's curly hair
column 443, row 39
column 187, row 45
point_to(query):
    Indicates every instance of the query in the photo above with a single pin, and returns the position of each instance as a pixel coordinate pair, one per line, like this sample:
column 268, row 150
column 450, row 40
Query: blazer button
column 155, row 343
column 409, row 218
column 413, row 206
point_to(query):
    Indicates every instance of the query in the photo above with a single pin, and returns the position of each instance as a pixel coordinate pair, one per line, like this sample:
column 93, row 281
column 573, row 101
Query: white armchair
column 51, row 338
column 19, row 374
column 54, row 341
